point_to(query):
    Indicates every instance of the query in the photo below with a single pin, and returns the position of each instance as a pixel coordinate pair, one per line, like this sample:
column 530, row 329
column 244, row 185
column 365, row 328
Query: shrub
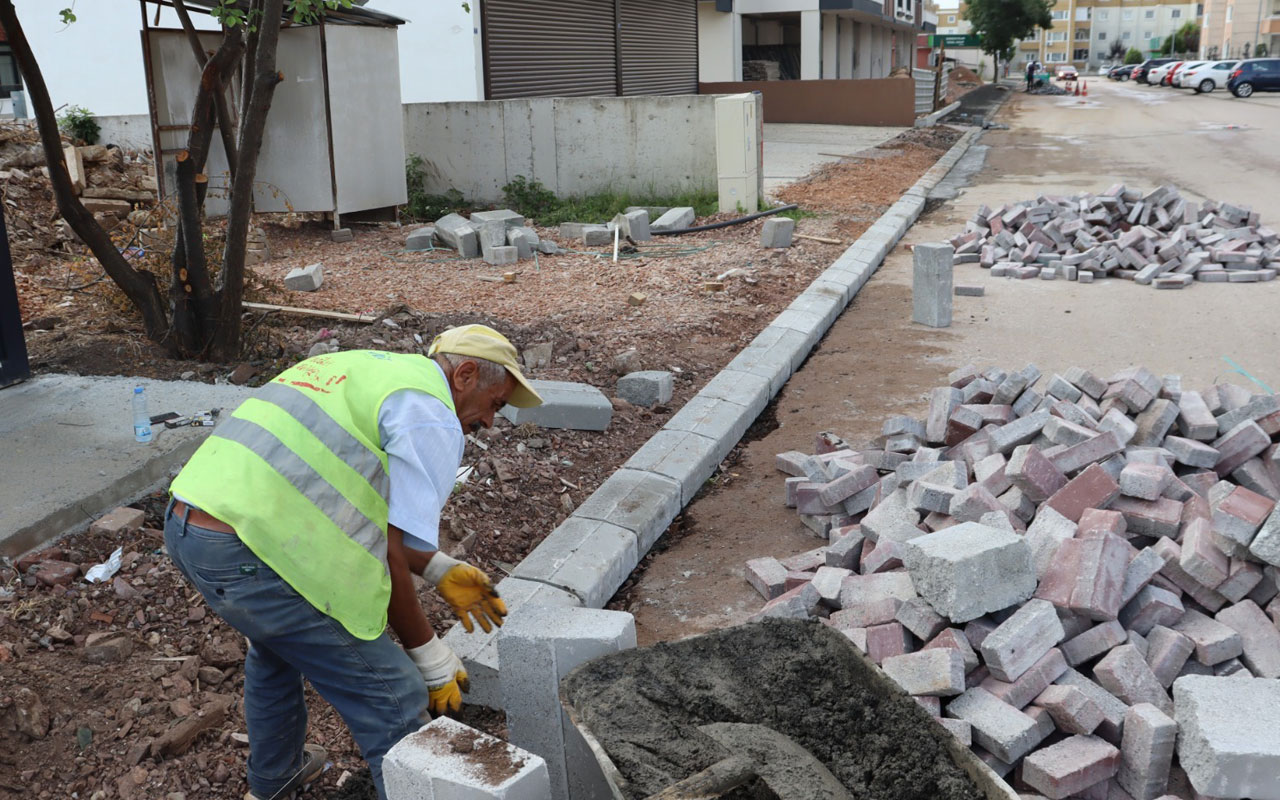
column 80, row 124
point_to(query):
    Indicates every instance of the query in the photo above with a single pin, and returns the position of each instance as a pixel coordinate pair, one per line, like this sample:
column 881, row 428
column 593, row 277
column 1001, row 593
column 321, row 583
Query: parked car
column 1255, row 75
column 1180, row 79
column 1122, row 72
column 1155, row 75
column 1066, row 72
column 1140, row 72
column 1208, row 76
column 1105, row 69
column 1167, row 78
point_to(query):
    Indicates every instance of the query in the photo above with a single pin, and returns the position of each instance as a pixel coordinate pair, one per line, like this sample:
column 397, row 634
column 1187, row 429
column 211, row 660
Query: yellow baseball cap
column 481, row 341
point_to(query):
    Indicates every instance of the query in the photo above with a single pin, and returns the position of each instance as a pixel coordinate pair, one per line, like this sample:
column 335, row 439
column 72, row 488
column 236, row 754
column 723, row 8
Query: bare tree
column 199, row 319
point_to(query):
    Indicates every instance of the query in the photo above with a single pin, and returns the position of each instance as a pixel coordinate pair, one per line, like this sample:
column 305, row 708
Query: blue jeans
column 372, row 684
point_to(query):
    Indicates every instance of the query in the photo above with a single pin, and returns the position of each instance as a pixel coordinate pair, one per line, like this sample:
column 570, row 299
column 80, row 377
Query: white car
column 1209, row 76
column 1180, row 77
column 1155, row 75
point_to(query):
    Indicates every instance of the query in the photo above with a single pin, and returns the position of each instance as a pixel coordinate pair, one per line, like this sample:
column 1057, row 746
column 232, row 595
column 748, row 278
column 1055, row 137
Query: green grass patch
column 539, row 203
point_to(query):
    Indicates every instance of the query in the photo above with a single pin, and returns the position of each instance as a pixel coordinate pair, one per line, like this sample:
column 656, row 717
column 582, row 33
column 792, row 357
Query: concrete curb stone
column 665, row 474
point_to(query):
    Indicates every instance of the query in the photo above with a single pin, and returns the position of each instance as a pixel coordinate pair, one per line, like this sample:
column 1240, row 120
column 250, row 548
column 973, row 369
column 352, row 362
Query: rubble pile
column 1159, row 239
column 113, row 185
column 500, row 237
column 1039, row 567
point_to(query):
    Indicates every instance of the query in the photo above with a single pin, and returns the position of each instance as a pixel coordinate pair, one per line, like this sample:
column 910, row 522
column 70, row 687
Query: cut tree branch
column 226, row 127
column 139, row 286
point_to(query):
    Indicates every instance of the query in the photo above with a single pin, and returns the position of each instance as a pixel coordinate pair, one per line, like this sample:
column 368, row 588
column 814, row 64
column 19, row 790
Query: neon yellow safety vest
column 300, row 472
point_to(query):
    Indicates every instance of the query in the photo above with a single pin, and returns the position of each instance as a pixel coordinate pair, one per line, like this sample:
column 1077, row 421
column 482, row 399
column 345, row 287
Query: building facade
column 806, row 39
column 1235, row 28
column 1084, row 32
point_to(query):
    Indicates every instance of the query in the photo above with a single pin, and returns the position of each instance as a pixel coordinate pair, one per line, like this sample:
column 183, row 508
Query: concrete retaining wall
column 883, row 101
column 128, row 131
column 573, row 145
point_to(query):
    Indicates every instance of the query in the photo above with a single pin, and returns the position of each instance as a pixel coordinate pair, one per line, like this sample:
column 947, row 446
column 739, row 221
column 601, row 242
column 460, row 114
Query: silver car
column 1209, row 76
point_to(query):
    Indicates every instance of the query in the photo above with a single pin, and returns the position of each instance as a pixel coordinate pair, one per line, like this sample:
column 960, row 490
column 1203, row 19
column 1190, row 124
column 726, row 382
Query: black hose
column 717, row 225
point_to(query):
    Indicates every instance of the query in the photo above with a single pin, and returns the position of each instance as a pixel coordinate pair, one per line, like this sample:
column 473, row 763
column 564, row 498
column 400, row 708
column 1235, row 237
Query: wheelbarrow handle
column 712, row 782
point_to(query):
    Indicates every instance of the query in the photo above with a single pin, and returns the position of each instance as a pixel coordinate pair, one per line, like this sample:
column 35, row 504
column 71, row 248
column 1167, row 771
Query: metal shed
column 334, row 139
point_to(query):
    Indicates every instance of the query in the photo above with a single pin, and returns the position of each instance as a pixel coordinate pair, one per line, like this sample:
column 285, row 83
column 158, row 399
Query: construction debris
column 1075, row 551
column 1158, row 239
column 1047, row 88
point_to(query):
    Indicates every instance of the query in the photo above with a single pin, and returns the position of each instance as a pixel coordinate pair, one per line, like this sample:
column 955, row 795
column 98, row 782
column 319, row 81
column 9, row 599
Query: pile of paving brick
column 1071, row 578
column 1159, row 239
column 500, row 237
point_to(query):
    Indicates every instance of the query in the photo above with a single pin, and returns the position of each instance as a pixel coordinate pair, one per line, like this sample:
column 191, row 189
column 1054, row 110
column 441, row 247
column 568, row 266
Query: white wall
column 572, row 145
column 719, row 45
column 441, row 56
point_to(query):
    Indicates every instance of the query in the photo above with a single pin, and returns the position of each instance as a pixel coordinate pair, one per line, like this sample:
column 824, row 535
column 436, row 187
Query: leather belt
column 200, row 519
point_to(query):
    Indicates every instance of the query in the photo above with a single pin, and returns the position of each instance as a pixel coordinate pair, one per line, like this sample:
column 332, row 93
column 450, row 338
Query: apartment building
column 1084, row 31
column 1235, row 28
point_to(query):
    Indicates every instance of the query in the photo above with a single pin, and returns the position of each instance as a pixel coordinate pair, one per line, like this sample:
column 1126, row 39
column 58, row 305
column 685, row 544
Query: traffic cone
column 1077, row 90
column 1085, row 93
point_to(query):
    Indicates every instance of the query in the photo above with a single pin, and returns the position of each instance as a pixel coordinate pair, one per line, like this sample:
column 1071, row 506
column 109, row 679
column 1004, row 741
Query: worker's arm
column 443, row 672
column 404, row 612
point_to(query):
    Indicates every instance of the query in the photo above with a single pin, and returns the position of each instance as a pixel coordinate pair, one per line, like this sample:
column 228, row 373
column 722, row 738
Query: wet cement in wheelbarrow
column 800, row 678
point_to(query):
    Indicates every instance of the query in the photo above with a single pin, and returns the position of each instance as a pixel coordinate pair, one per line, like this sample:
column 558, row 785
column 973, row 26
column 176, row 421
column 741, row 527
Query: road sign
column 955, row 40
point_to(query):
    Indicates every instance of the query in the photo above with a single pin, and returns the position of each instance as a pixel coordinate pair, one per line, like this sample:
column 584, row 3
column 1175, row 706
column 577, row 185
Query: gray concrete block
column 647, row 387
column 588, row 556
column 1002, row 729
column 456, row 232
column 741, row 388
column 721, row 420
column 931, row 289
column 493, row 233
column 506, row 216
column 937, row 673
column 1146, row 752
column 520, row 239
column 423, row 238
column 687, row 458
column 479, row 650
column 635, row 224
column 597, row 235
column 341, row 235
column 675, row 219
column 426, row 764
column 501, row 256
column 538, row 646
column 970, row 569
column 577, row 406
column 774, row 354
column 572, row 230
column 777, row 232
column 641, row 502
column 304, row 279
column 1229, row 735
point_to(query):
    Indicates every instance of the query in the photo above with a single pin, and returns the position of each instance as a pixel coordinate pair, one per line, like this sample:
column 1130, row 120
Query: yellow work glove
column 468, row 590
column 445, row 676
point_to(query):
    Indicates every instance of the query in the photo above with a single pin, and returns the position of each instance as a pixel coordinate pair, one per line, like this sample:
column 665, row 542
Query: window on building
column 1147, row 35
column 1125, row 36
column 1082, row 34
column 1082, row 14
column 951, row 19
column 1127, row 13
column 1175, row 13
column 1150, row 13
column 1229, row 10
column 10, row 81
column 1103, row 14
column 1051, row 57
column 1060, row 15
column 1055, row 36
column 1080, row 55
column 1102, row 36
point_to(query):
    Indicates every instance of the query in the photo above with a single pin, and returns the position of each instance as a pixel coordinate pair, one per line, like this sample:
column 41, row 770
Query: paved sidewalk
column 792, row 150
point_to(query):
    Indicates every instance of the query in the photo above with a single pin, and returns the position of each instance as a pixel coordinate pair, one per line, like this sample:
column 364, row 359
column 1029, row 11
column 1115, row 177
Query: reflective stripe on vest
column 300, row 472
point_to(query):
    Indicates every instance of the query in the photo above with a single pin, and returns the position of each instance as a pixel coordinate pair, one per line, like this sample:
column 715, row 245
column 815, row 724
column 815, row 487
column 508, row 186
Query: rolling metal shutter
column 659, row 43
column 550, row 48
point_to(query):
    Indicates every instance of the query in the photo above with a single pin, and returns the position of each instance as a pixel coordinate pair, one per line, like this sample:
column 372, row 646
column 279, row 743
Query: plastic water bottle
column 141, row 419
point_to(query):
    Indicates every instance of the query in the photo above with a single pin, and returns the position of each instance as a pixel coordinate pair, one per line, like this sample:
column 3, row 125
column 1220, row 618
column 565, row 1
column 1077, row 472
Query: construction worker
column 301, row 520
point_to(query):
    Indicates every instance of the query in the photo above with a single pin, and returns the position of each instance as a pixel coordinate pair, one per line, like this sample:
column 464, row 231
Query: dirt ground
column 101, row 719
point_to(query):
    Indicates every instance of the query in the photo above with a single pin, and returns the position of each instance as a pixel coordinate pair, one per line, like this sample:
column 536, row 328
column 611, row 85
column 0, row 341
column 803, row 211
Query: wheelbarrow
column 662, row 719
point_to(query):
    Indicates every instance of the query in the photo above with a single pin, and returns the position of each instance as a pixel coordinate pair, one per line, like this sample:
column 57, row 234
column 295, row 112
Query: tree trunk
column 192, row 294
column 262, row 85
column 226, row 127
column 138, row 285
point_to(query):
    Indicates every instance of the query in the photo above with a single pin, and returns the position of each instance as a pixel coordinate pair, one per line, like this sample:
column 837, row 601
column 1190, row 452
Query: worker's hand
column 445, row 676
column 468, row 590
